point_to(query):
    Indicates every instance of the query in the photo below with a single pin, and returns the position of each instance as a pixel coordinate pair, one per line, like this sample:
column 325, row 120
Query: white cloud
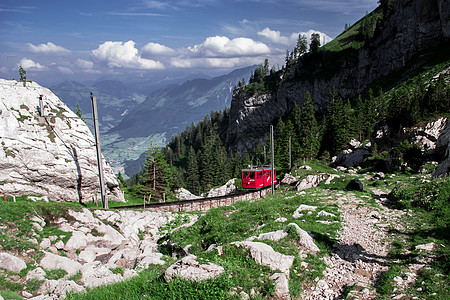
column 157, row 49
column 28, row 64
column 85, row 64
column 221, row 46
column 275, row 37
column 65, row 70
column 124, row 55
column 48, row 48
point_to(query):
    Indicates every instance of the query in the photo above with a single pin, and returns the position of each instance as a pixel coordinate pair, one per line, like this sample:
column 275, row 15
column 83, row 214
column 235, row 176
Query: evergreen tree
column 309, row 130
column 157, row 177
column 192, row 170
column 302, row 44
column 79, row 113
column 315, row 42
column 122, row 182
column 22, row 74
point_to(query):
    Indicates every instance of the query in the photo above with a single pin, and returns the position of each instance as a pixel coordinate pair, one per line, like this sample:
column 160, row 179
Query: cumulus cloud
column 85, row 64
column 157, row 49
column 221, row 46
column 28, row 64
column 124, row 55
column 48, row 48
column 275, row 37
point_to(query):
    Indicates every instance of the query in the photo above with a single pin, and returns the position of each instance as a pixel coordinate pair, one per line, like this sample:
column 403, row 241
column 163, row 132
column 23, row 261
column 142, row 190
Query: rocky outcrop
column 414, row 27
column 227, row 189
column 188, row 268
column 53, row 156
column 443, row 151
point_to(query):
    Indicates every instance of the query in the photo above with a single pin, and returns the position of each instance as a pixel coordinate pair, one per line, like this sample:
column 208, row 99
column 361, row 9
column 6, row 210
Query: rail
column 202, row 204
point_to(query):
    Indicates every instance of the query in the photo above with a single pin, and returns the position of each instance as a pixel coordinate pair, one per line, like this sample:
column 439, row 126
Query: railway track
column 202, row 204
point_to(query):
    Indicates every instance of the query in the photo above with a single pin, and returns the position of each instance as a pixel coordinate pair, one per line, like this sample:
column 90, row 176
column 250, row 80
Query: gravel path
column 360, row 255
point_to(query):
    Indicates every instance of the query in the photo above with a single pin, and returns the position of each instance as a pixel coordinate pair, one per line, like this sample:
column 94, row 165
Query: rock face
column 443, row 150
column 53, row 156
column 414, row 26
column 227, row 189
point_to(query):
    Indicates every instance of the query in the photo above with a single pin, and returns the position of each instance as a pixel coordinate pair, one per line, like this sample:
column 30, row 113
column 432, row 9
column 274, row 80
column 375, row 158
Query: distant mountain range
column 133, row 113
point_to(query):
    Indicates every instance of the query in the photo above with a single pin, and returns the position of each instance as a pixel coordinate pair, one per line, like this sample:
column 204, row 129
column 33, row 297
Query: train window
column 251, row 175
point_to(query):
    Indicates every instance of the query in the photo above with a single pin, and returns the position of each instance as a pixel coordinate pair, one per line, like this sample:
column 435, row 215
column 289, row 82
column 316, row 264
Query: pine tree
column 192, row 170
column 315, row 42
column 79, row 113
column 157, row 177
column 309, row 130
column 22, row 74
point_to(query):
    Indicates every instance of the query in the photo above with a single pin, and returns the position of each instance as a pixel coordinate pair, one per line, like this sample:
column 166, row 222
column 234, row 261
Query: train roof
column 253, row 168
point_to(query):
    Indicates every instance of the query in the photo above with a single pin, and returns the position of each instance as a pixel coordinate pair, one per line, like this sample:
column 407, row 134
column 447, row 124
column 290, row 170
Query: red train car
column 257, row 177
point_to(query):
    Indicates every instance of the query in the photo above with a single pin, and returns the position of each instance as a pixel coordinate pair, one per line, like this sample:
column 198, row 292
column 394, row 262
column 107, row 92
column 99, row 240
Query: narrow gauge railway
column 202, row 204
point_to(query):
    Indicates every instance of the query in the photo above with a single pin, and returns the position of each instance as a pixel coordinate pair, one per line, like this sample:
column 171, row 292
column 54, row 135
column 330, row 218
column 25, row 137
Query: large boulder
column 52, row 261
column 11, row 263
column 188, row 268
column 264, row 254
column 51, row 156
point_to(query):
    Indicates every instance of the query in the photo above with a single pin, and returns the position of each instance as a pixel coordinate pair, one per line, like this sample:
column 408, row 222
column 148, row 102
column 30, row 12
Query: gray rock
column 77, row 241
column 311, row 181
column 11, row 263
column 227, row 189
column 351, row 158
column 281, row 285
column 184, row 194
column 264, row 254
column 426, row 247
column 355, row 185
column 37, row 273
column 443, row 150
column 150, row 259
column 305, row 239
column 96, row 274
column 272, row 236
column 303, row 207
column 59, row 288
column 58, row 161
column 323, row 213
column 188, row 268
column 51, row 261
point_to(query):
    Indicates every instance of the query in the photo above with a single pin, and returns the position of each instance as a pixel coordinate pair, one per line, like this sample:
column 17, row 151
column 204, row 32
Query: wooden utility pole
column 272, row 160
column 99, row 153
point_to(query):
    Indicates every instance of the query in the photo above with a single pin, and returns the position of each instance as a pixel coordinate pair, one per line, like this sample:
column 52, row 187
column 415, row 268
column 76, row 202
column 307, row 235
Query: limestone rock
column 95, row 274
column 281, row 285
column 443, row 150
column 264, row 254
column 227, row 189
column 184, row 194
column 305, row 239
column 11, row 263
column 426, row 247
column 272, row 236
column 150, row 259
column 188, row 268
column 288, row 179
column 311, row 181
column 52, row 261
column 53, row 157
column 59, row 288
column 78, row 240
column 303, row 207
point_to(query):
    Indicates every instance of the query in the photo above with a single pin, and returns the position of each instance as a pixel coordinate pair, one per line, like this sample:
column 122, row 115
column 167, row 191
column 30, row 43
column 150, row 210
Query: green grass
column 150, row 284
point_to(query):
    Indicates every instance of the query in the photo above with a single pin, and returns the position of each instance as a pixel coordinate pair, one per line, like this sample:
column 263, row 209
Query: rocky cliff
column 52, row 156
column 414, row 27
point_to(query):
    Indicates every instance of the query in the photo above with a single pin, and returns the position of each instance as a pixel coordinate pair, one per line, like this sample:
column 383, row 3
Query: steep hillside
column 54, row 156
column 413, row 35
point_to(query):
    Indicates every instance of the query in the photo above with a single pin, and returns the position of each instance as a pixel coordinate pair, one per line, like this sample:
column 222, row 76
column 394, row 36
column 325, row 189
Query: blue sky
column 80, row 39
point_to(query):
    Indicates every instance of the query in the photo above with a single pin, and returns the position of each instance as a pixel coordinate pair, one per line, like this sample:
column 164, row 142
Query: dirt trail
column 360, row 255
